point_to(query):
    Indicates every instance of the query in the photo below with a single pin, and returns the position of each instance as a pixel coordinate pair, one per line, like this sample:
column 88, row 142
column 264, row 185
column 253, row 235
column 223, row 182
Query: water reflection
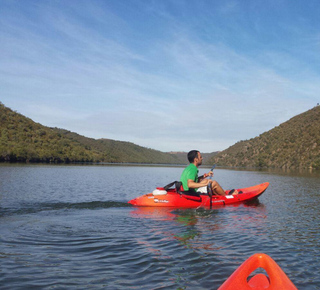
column 202, row 228
column 194, row 228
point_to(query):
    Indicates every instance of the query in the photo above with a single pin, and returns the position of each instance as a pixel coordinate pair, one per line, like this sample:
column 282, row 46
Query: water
column 71, row 227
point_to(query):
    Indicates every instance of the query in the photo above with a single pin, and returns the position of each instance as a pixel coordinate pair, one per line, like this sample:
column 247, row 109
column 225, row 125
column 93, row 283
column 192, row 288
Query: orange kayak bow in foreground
column 275, row 280
column 174, row 198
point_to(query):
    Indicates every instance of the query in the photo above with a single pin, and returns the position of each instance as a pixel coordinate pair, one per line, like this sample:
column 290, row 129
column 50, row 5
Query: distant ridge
column 23, row 140
column 182, row 156
column 120, row 151
column 294, row 144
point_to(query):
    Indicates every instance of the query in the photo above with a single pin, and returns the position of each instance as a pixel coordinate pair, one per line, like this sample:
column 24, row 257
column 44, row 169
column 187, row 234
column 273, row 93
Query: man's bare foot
column 235, row 192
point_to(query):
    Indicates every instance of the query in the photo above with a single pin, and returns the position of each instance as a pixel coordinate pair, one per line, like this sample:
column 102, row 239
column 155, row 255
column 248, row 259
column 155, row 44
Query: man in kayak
column 191, row 182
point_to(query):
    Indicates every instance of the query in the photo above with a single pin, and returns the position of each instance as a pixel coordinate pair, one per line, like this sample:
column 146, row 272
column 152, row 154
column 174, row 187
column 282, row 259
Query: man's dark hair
column 192, row 155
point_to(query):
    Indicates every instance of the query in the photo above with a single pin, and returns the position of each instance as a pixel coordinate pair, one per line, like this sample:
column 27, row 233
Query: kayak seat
column 177, row 184
column 192, row 195
column 179, row 188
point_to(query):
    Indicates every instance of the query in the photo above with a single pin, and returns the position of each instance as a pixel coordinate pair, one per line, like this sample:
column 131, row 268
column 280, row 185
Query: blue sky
column 169, row 75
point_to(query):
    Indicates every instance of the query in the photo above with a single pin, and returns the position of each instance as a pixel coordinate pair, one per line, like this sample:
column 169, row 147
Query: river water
column 71, row 227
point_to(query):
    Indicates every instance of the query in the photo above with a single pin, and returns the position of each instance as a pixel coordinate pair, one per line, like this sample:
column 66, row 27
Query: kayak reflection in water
column 192, row 184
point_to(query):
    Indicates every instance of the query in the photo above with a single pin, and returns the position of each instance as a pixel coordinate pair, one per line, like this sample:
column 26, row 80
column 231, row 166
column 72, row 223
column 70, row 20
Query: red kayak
column 275, row 279
column 163, row 197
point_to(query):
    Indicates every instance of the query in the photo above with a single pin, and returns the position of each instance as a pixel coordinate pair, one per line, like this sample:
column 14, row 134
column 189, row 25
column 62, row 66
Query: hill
column 23, row 140
column 121, row 151
column 294, row 144
column 183, row 159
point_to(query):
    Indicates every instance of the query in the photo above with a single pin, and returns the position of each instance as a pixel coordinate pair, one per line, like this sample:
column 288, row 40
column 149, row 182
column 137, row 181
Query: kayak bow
column 275, row 280
column 172, row 198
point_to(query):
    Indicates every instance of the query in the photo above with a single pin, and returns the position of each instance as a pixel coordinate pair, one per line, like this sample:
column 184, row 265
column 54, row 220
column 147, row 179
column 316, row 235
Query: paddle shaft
column 209, row 187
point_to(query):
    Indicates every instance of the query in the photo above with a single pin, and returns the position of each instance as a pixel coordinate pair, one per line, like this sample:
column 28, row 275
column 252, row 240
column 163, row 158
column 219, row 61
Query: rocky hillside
column 294, row 144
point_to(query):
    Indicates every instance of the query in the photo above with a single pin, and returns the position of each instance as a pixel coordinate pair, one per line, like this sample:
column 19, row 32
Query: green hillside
column 120, row 151
column 23, row 140
column 294, row 144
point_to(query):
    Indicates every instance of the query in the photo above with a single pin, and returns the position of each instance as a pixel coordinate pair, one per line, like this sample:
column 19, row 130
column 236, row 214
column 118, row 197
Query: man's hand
column 210, row 173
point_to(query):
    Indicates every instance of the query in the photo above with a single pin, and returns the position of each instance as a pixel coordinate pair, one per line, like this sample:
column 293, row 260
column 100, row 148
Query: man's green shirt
column 190, row 172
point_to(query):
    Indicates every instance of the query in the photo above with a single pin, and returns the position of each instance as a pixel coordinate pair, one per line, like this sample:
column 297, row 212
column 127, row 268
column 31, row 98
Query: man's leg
column 217, row 189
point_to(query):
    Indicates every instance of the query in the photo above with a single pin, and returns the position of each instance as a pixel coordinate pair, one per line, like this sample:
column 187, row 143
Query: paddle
column 213, row 167
column 209, row 187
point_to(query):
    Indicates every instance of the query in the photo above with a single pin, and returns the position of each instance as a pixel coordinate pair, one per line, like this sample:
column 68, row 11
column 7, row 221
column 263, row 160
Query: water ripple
column 38, row 207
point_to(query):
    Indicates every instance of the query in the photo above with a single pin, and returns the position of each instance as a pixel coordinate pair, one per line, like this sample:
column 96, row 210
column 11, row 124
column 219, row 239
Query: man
column 190, row 180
